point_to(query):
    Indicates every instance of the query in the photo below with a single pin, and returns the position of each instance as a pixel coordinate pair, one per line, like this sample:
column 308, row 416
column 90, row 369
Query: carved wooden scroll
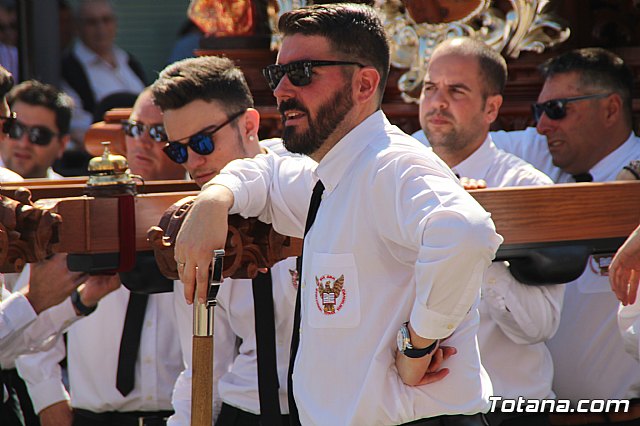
column 27, row 233
column 251, row 244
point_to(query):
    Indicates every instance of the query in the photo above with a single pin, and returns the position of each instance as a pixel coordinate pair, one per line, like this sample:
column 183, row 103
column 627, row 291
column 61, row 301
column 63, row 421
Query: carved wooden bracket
column 251, row 244
column 27, row 233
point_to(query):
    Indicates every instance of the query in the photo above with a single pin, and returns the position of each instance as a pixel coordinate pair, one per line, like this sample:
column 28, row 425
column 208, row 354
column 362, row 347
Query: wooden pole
column 202, row 355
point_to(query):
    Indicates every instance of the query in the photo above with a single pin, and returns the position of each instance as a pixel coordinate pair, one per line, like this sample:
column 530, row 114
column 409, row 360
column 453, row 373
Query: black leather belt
column 455, row 420
column 116, row 418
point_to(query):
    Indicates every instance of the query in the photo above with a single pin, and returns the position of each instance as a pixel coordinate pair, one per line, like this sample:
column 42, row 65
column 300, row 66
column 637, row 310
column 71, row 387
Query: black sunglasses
column 556, row 109
column 201, row 143
column 299, row 72
column 135, row 129
column 37, row 135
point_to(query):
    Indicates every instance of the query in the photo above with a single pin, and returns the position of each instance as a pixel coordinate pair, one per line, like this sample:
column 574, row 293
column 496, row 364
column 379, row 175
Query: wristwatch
column 405, row 347
column 83, row 309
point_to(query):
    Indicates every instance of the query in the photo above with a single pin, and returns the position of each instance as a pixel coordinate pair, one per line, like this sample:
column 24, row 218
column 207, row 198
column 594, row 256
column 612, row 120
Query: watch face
column 400, row 341
column 402, row 338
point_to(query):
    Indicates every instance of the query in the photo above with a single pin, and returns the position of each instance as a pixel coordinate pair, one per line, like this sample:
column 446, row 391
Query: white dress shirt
column 7, row 175
column 235, row 376
column 587, row 350
column 104, row 80
column 629, row 324
column 92, row 352
column 515, row 319
column 396, row 239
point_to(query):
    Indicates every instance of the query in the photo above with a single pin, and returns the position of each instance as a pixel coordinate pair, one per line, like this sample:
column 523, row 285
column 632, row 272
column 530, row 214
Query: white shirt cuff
column 47, row 393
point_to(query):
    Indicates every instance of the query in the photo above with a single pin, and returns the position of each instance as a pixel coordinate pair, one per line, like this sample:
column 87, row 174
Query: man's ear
column 492, row 107
column 64, row 140
column 251, row 123
column 366, row 85
column 613, row 109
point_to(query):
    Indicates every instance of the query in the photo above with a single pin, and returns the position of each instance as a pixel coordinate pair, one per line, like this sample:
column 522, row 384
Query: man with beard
column 396, row 256
column 210, row 120
column 461, row 97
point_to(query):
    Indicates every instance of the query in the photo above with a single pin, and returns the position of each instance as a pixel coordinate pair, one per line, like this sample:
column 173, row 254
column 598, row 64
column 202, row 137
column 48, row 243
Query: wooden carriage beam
column 523, row 215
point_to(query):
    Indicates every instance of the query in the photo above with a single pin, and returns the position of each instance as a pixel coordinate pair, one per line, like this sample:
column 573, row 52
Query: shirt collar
column 476, row 166
column 340, row 158
column 608, row 168
column 88, row 57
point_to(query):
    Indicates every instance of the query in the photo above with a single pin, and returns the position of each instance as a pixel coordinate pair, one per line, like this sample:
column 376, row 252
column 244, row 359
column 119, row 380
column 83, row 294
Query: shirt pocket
column 332, row 292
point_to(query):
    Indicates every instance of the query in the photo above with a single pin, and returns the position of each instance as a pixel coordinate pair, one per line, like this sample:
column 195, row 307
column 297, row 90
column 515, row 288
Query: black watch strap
column 419, row 353
column 83, row 309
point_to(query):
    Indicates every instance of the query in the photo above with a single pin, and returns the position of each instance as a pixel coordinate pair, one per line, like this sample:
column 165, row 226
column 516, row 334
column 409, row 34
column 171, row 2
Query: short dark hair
column 206, row 78
column 353, row 30
column 599, row 69
column 35, row 93
column 491, row 64
column 6, row 81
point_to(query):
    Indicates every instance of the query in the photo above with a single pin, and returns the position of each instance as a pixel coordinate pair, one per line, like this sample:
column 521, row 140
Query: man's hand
column 421, row 371
column 427, row 369
column 469, row 183
column 624, row 271
column 51, row 282
column 96, row 287
column 58, row 414
column 203, row 231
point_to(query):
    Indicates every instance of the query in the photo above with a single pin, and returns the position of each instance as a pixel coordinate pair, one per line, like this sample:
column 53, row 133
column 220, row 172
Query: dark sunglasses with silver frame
column 37, row 135
column 136, row 129
column 298, row 72
column 201, row 142
column 556, row 109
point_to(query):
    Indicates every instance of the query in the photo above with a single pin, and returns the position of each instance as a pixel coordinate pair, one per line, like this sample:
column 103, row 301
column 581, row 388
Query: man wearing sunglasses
column 395, row 258
column 584, row 132
column 94, row 345
column 145, row 140
column 210, row 121
column 39, row 133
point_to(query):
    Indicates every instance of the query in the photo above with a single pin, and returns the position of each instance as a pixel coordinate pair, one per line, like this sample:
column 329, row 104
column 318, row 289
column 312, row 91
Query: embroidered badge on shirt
column 294, row 278
column 330, row 294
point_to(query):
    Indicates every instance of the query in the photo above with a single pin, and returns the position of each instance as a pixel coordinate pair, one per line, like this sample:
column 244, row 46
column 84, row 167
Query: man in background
column 37, row 137
column 461, row 97
column 93, row 70
column 103, row 390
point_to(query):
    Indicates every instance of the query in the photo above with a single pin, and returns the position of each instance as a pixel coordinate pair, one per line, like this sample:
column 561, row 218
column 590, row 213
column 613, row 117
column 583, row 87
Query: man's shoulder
column 7, row 175
column 520, row 171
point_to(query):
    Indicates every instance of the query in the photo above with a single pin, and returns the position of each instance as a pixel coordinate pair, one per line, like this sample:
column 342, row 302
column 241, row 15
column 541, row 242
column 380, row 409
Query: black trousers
column 457, row 420
column 115, row 418
column 232, row 416
column 518, row 419
column 18, row 409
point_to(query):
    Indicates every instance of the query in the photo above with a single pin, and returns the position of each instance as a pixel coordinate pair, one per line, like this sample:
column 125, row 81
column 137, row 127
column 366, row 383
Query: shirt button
column 450, row 326
column 148, row 324
column 491, row 280
column 149, row 398
column 148, row 360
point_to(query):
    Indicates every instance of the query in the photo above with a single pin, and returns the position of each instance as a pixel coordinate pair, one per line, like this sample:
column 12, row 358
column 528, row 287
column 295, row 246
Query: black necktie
column 316, row 197
column 583, row 177
column 130, row 342
column 265, row 324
